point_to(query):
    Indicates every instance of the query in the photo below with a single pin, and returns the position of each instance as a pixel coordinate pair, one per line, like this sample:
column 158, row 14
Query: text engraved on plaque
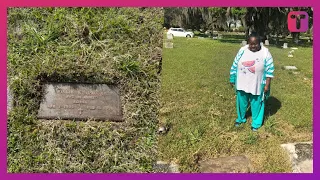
column 80, row 101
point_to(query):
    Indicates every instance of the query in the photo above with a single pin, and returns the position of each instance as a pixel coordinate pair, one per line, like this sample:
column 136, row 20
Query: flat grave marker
column 290, row 68
column 168, row 44
column 80, row 101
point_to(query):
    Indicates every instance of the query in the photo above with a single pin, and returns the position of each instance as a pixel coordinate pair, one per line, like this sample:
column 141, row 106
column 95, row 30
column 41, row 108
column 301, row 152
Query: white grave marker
column 290, row 68
column 266, row 42
column 168, row 45
column 244, row 43
column 290, row 54
column 169, row 36
column 285, row 45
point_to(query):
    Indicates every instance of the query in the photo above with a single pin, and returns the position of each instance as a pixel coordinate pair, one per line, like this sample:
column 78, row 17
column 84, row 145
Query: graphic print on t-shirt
column 250, row 66
column 250, row 72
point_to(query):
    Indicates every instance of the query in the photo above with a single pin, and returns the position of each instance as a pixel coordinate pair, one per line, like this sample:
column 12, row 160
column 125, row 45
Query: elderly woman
column 251, row 74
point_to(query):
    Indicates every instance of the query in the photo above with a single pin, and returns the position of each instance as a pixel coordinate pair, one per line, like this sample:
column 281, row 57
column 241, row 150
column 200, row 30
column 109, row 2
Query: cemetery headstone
column 285, row 45
column 165, row 167
column 266, row 42
column 80, row 101
column 169, row 41
column 215, row 35
column 290, row 68
column 243, row 43
column 301, row 156
column 168, row 44
column 290, row 53
column 232, row 164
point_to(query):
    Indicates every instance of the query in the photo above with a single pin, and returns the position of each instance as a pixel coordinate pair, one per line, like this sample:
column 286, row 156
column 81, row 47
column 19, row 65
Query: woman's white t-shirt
column 250, row 72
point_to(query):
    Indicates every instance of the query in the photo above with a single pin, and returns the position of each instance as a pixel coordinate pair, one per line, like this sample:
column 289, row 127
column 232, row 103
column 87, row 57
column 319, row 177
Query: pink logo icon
column 298, row 21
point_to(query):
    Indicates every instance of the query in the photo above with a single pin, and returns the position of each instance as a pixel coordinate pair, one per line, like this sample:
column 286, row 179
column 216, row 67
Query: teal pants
column 257, row 108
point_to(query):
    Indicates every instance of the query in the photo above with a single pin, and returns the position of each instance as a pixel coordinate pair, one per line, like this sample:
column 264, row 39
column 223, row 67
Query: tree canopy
column 265, row 21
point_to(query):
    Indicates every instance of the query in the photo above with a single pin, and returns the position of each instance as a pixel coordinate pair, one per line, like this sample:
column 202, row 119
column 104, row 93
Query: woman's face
column 254, row 44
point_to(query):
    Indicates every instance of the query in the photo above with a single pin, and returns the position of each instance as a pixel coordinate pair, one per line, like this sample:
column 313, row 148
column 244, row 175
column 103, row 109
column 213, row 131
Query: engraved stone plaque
column 80, row 101
column 168, row 45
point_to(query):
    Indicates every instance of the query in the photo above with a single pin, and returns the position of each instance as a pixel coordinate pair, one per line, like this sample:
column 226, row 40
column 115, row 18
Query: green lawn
column 120, row 46
column 199, row 105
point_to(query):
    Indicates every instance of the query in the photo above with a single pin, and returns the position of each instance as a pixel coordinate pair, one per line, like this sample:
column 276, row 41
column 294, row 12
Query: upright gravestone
column 290, row 53
column 243, row 43
column 215, row 36
column 80, row 101
column 285, row 45
column 168, row 43
column 266, row 42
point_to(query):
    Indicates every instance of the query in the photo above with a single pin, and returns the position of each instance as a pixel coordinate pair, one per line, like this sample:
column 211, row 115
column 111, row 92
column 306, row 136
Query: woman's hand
column 266, row 88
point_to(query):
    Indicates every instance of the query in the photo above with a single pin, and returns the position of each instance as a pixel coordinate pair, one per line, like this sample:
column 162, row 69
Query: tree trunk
column 295, row 37
column 277, row 39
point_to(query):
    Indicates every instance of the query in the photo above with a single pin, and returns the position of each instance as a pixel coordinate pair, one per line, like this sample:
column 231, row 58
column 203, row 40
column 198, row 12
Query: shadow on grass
column 236, row 37
column 272, row 106
column 231, row 41
column 202, row 35
column 279, row 44
column 239, row 38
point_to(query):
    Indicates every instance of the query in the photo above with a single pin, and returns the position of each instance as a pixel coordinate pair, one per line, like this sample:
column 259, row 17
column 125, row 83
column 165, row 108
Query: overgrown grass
column 199, row 104
column 119, row 46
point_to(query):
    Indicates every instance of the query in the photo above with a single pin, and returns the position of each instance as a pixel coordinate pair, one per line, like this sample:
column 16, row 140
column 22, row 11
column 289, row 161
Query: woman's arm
column 267, row 86
column 269, row 71
column 233, row 70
